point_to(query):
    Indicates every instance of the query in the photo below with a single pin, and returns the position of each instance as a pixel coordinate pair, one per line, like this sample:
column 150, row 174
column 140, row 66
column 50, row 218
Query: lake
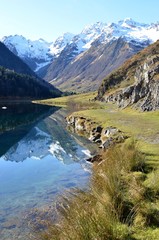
column 39, row 159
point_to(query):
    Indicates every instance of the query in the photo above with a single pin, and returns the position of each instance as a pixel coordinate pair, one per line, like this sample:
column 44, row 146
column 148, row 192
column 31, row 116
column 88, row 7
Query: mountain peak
column 92, row 27
column 59, row 44
column 42, row 53
column 130, row 23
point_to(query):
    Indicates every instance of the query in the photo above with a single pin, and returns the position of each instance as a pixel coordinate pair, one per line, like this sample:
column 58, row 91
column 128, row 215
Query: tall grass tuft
column 114, row 208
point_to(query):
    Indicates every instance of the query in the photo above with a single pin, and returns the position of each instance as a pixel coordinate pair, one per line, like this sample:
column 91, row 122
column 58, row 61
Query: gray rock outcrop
column 144, row 93
column 135, row 83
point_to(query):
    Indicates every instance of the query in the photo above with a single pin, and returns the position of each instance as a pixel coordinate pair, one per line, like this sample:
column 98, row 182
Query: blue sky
column 49, row 19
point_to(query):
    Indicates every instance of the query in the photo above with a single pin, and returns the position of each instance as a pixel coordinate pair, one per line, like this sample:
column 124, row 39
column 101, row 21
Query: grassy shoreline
column 123, row 202
column 143, row 126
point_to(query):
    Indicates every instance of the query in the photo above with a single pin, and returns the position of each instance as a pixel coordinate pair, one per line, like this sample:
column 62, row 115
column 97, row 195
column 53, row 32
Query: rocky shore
column 104, row 137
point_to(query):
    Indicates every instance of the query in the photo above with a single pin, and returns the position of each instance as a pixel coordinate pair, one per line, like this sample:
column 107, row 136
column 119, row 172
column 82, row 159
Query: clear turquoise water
column 42, row 160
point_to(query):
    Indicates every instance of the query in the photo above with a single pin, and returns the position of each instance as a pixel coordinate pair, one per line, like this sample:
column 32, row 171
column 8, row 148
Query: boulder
column 80, row 124
column 95, row 137
column 109, row 142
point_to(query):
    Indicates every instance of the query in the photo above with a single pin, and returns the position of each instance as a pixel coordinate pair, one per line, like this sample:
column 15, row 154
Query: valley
column 79, row 62
column 97, row 137
column 113, row 180
column 123, row 116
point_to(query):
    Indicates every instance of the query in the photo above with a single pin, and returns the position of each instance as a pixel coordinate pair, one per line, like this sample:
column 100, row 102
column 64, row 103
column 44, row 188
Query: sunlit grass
column 84, row 98
column 123, row 201
column 117, row 206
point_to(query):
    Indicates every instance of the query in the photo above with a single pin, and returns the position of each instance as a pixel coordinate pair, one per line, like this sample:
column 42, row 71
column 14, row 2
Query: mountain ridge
column 18, row 81
column 43, row 50
column 136, row 82
column 73, row 62
column 9, row 60
column 86, row 71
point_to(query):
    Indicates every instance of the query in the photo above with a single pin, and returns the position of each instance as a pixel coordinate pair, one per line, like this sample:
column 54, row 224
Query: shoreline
column 122, row 178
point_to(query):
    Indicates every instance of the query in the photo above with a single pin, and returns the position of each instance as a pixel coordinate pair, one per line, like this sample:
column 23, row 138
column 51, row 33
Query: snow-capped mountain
column 43, row 50
column 35, row 53
column 127, row 28
column 132, row 31
column 39, row 54
column 60, row 43
column 99, row 49
column 22, row 46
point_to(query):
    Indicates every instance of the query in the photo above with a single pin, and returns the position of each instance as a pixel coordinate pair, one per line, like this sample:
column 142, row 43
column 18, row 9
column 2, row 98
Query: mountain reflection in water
column 17, row 120
column 39, row 159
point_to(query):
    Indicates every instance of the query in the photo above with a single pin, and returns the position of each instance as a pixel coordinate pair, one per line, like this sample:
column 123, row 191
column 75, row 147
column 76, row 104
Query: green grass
column 80, row 99
column 123, row 201
column 143, row 126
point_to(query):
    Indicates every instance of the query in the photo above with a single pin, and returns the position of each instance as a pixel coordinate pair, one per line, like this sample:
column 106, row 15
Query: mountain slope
column 135, row 82
column 83, row 67
column 77, row 59
column 17, row 80
column 60, row 63
column 11, row 61
column 22, row 86
column 85, row 72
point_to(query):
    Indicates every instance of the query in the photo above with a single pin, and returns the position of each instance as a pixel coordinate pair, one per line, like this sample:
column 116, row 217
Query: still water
column 39, row 159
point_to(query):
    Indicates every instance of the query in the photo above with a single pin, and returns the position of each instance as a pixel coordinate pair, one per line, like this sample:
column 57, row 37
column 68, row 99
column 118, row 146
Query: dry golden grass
column 117, row 206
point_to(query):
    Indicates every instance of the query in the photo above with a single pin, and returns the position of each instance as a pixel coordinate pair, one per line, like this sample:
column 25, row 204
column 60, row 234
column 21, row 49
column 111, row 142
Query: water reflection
column 40, row 160
column 17, row 120
column 47, row 138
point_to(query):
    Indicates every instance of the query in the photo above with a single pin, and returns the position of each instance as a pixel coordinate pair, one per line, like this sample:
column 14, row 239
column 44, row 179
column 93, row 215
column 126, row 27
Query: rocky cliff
column 136, row 82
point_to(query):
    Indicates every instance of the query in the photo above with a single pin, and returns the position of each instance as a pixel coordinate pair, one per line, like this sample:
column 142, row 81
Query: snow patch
column 41, row 65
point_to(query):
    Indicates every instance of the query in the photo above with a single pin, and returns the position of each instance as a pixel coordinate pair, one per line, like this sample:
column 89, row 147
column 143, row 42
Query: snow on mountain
column 130, row 31
column 39, row 51
column 88, row 35
column 35, row 53
column 60, row 43
column 151, row 33
column 23, row 47
column 42, row 52
column 127, row 28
